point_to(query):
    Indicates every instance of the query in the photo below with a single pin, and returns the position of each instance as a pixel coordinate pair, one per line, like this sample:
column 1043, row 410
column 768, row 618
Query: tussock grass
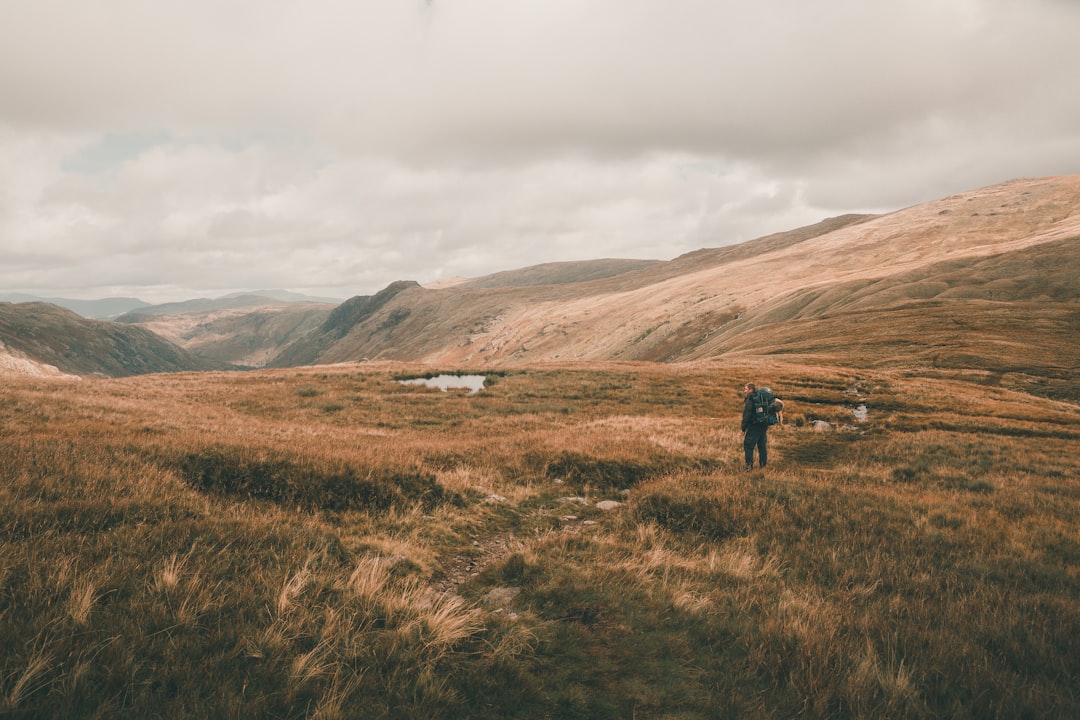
column 223, row 545
column 305, row 484
column 689, row 508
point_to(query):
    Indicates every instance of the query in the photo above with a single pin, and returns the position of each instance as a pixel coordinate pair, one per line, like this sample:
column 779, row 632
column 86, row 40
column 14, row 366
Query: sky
column 175, row 149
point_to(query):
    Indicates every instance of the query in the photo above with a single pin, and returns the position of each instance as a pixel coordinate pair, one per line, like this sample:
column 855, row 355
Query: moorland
column 328, row 542
column 579, row 539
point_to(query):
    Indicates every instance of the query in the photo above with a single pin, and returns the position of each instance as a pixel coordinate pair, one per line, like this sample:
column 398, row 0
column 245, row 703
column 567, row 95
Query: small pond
column 472, row 383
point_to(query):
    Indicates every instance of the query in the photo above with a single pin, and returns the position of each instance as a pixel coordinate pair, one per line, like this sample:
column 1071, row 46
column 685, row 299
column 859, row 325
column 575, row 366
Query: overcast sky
column 168, row 149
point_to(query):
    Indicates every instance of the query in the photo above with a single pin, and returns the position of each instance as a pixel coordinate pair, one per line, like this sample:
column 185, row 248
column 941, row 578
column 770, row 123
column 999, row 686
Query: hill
column 102, row 309
column 244, row 331
column 241, row 301
column 579, row 538
column 410, row 322
column 982, row 281
column 48, row 335
column 978, row 280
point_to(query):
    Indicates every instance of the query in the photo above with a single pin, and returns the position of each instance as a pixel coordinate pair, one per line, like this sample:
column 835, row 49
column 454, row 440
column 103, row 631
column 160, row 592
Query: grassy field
column 330, row 543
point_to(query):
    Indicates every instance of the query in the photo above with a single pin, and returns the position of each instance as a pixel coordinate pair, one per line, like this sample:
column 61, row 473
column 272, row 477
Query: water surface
column 472, row 383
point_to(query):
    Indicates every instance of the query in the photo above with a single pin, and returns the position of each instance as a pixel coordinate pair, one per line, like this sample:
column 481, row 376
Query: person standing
column 756, row 434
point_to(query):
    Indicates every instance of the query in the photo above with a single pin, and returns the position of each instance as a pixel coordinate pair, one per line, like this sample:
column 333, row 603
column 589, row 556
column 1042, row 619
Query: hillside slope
column 53, row 336
column 245, row 332
column 493, row 321
column 980, row 279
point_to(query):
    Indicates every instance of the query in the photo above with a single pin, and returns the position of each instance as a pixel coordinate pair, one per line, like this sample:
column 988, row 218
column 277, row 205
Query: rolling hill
column 40, row 336
column 103, row 309
column 243, row 331
column 582, row 538
column 982, row 280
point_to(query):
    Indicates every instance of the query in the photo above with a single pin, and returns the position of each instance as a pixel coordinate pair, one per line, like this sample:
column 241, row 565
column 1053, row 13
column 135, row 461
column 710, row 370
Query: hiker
column 756, row 433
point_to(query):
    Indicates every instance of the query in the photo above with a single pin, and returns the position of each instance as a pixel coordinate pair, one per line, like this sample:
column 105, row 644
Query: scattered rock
column 575, row 500
column 608, row 504
column 463, row 567
column 495, row 499
column 820, row 426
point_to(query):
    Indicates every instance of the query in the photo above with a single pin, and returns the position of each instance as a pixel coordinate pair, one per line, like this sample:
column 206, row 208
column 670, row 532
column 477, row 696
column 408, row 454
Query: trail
column 484, row 552
column 489, row 549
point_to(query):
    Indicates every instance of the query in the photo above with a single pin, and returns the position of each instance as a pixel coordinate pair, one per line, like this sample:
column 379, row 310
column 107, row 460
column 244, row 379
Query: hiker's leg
column 749, row 441
column 763, row 448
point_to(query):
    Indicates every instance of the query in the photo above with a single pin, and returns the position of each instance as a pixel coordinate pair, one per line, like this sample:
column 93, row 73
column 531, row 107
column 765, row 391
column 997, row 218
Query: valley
column 244, row 511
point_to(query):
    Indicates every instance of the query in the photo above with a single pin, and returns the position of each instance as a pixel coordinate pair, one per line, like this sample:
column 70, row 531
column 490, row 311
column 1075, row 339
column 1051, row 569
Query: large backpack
column 766, row 407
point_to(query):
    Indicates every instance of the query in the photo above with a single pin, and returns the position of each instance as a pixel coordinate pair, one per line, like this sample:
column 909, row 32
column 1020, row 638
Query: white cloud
column 337, row 146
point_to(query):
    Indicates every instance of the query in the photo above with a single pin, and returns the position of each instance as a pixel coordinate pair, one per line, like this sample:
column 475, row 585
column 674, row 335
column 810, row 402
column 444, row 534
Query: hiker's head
column 749, row 388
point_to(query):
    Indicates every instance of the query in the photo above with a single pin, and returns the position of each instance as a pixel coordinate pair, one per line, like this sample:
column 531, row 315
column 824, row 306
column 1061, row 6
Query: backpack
column 767, row 407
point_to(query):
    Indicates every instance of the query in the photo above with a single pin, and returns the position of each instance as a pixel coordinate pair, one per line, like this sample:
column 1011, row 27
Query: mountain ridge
column 936, row 284
column 941, row 283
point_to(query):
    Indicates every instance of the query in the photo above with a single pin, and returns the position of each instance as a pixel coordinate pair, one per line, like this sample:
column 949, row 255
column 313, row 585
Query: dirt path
column 484, row 552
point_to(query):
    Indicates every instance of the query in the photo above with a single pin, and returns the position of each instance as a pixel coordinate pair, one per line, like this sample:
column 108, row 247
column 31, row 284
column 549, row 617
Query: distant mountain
column 287, row 296
column 115, row 308
column 200, row 305
column 246, row 336
column 103, row 309
column 243, row 330
column 51, row 335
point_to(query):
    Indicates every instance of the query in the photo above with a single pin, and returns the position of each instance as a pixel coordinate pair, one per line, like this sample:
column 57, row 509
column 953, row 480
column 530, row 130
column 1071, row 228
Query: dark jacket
column 748, row 412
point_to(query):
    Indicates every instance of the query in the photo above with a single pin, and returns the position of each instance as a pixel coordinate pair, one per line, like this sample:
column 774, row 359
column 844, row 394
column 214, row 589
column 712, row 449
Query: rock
column 495, row 499
column 820, row 426
column 575, row 500
column 608, row 504
column 500, row 597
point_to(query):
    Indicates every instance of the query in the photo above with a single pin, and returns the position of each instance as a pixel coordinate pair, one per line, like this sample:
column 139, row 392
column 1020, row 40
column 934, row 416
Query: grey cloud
column 341, row 144
column 718, row 77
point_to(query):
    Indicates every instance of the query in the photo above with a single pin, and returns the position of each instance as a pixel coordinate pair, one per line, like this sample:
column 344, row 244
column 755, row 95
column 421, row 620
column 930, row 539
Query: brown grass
column 179, row 545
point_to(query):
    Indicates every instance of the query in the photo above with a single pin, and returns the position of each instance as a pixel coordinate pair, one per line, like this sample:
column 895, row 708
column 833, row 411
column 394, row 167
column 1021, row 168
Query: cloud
column 337, row 146
column 207, row 216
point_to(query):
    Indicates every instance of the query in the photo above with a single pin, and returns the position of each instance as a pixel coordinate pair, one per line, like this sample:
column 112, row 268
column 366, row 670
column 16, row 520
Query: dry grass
column 223, row 545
